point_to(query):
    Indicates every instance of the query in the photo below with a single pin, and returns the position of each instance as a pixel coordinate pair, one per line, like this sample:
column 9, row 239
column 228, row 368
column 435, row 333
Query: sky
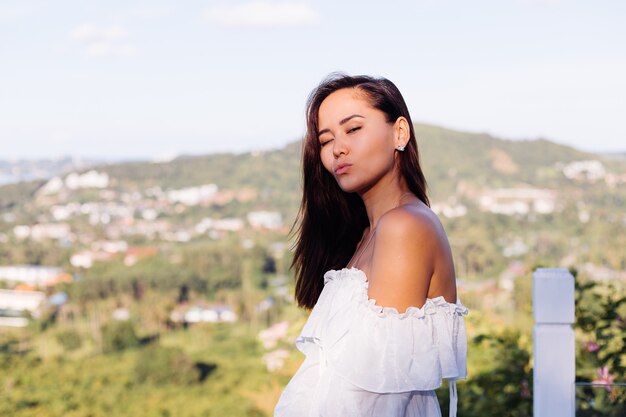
column 152, row 79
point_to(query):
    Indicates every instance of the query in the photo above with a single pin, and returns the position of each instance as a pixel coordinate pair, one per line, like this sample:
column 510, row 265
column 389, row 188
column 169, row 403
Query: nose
column 340, row 146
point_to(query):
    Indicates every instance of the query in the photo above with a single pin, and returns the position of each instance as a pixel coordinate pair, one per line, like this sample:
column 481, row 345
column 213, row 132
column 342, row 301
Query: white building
column 29, row 274
column 590, row 170
column 110, row 246
column 42, row 231
column 21, row 231
column 265, row 220
column 192, row 196
column 230, row 224
column 86, row 258
column 52, row 187
column 21, row 300
column 64, row 212
column 512, row 201
column 90, row 179
column 198, row 314
column 449, row 210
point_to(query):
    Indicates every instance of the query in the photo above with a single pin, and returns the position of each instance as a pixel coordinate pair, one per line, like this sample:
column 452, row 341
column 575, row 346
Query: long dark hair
column 331, row 222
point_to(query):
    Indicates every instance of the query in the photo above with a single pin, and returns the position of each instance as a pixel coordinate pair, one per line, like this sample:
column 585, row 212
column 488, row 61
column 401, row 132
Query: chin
column 349, row 186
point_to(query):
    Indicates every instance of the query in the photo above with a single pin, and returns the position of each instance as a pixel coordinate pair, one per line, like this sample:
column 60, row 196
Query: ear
column 402, row 132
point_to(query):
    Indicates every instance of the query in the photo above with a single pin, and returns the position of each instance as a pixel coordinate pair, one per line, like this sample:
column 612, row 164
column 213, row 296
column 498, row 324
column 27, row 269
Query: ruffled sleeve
column 380, row 350
column 388, row 352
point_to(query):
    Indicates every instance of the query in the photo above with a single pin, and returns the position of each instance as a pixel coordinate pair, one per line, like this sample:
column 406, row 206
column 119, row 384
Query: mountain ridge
column 447, row 157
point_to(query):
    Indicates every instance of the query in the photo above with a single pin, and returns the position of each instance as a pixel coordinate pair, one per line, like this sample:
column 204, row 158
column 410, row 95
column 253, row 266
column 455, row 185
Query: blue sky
column 134, row 79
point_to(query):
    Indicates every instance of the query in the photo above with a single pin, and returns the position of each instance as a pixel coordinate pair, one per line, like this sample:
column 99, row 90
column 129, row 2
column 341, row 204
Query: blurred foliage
column 217, row 369
column 211, row 370
column 70, row 339
column 165, row 365
column 502, row 386
column 118, row 335
column 15, row 195
column 601, row 348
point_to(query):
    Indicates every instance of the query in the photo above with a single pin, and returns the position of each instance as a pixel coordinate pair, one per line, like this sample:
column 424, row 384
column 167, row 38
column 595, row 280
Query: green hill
column 447, row 156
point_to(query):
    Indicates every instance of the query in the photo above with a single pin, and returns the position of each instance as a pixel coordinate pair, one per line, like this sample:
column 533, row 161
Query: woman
column 368, row 248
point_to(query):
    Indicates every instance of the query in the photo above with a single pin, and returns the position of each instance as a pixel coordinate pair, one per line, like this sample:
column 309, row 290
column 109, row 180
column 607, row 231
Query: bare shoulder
column 412, row 222
column 409, row 245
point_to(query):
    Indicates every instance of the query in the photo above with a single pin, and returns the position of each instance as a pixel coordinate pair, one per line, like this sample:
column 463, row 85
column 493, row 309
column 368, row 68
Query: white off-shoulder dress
column 363, row 360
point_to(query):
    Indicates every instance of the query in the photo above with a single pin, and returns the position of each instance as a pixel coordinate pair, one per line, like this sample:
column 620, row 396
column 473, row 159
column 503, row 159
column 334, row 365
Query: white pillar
column 553, row 343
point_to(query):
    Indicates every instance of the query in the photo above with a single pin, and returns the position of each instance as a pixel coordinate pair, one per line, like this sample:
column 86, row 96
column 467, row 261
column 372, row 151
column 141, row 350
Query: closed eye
column 354, row 129
column 324, row 142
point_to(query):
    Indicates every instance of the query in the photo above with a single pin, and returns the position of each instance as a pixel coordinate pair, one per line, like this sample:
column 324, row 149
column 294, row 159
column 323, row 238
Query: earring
column 400, row 148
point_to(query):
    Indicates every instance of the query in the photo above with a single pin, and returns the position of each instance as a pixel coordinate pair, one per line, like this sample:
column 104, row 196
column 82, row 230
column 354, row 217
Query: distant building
column 86, row 258
column 90, row 179
column 21, row 300
column 227, row 225
column 192, row 196
column 75, row 181
column 180, row 235
column 151, row 230
column 199, row 314
column 590, row 170
column 265, row 220
column 21, row 231
column 512, row 201
column 56, row 231
column 613, row 180
column 44, row 231
column 30, row 274
column 53, row 186
column 110, row 246
column 13, row 304
column 149, row 214
column 61, row 213
column 449, row 209
column 121, row 314
column 602, row 273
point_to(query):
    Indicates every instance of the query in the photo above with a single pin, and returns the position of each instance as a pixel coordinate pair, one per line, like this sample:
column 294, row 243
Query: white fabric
column 366, row 360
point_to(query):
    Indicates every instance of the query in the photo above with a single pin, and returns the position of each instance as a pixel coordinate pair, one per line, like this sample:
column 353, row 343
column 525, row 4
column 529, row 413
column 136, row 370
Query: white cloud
column 89, row 33
column 103, row 41
column 151, row 11
column 262, row 14
column 104, row 49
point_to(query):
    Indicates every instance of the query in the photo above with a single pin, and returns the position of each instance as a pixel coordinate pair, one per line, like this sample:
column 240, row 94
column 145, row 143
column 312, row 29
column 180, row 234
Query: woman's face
column 357, row 143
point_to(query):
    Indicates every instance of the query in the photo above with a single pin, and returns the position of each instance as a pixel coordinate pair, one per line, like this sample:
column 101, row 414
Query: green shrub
column 118, row 336
column 502, row 388
column 69, row 339
column 165, row 365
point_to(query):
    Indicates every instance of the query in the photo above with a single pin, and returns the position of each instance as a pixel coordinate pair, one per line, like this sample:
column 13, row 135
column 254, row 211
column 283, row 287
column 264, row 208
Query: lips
column 342, row 168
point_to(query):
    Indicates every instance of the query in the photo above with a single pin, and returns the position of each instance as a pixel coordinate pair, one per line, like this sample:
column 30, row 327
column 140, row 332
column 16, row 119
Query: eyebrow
column 341, row 122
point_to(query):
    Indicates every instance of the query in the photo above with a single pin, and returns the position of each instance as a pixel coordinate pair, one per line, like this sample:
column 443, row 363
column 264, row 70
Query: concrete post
column 553, row 343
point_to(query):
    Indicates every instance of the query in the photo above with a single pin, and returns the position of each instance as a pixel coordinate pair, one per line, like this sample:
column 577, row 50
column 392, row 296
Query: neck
column 384, row 196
